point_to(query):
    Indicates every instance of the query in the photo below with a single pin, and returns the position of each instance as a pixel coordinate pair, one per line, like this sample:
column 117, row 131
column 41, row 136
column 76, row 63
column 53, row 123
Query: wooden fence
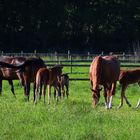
column 72, row 64
column 79, row 60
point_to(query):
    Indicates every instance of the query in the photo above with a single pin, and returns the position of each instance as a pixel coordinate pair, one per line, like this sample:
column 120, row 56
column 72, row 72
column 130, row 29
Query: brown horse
column 104, row 71
column 126, row 78
column 48, row 77
column 8, row 73
column 28, row 69
column 63, row 83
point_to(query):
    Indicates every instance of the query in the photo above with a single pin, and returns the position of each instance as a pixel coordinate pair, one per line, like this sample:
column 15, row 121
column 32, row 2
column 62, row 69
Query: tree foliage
column 76, row 25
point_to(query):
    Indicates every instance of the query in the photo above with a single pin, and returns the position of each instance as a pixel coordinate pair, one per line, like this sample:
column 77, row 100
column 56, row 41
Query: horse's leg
column 127, row 102
column 49, row 93
column 123, row 88
column 21, row 78
column 27, row 88
column 34, row 89
column 138, row 104
column 12, row 87
column 36, row 94
column 44, row 93
column 54, row 93
column 112, row 93
column 57, row 92
column 105, row 96
column 40, row 89
column 67, row 90
column 63, row 91
column 0, row 86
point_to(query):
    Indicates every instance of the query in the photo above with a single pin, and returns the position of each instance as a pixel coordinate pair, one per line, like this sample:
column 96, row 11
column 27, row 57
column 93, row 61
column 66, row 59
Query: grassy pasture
column 70, row 119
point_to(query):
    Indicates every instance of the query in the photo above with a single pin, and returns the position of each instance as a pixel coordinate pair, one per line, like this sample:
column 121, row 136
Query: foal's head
column 57, row 70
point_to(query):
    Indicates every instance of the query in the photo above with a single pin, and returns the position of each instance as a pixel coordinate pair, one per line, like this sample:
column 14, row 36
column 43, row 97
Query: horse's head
column 96, row 96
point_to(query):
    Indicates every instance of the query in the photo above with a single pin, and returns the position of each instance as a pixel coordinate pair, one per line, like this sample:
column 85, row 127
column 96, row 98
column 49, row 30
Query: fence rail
column 79, row 60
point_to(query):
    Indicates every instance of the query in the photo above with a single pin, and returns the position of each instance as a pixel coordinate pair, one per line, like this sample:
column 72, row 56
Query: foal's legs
column 63, row 91
column 123, row 88
column 57, row 91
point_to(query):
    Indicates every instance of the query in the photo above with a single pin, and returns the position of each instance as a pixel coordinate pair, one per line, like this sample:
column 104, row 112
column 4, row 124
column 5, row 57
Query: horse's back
column 104, row 69
column 42, row 75
column 129, row 76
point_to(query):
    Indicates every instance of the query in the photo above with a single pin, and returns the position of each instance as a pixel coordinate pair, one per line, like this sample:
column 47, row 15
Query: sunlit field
column 71, row 119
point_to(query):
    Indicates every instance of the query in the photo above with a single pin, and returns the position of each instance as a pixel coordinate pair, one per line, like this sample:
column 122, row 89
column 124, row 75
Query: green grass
column 70, row 119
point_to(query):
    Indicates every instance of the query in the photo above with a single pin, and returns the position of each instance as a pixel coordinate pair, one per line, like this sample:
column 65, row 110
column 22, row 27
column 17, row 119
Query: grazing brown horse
column 63, row 82
column 48, row 77
column 126, row 78
column 104, row 71
column 22, row 68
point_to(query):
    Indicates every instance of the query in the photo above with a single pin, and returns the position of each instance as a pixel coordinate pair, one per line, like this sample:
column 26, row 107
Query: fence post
column 71, row 63
column 56, row 58
column 123, row 55
column 21, row 53
column 135, row 56
column 88, row 56
column 68, row 54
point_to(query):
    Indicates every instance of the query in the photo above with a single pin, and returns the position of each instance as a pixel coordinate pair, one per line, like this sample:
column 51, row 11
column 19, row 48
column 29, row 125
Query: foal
column 63, row 82
column 48, row 77
column 126, row 78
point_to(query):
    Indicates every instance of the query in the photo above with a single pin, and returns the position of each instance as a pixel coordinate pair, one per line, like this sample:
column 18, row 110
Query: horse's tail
column 20, row 67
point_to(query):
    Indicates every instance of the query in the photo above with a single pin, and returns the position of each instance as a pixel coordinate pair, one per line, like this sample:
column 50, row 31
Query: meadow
column 71, row 119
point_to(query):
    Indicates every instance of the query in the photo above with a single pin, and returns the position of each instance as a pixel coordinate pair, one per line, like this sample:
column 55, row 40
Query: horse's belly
column 10, row 75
